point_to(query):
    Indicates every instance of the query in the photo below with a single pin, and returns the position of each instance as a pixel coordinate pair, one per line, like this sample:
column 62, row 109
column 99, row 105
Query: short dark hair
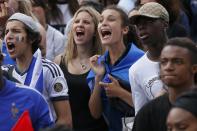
column 35, row 37
column 187, row 43
column 96, row 5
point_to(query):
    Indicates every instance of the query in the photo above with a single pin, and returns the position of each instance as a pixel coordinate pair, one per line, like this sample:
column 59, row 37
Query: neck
column 23, row 63
column 115, row 52
column 174, row 92
column 43, row 23
column 153, row 54
column 155, row 50
column 84, row 52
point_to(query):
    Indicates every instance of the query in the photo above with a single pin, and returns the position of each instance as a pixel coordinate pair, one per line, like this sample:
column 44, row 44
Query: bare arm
column 63, row 112
column 57, row 59
column 125, row 96
column 95, row 103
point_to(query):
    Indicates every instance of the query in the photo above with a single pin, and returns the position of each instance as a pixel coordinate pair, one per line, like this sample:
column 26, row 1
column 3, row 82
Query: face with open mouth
column 150, row 30
column 83, row 28
column 15, row 38
column 109, row 28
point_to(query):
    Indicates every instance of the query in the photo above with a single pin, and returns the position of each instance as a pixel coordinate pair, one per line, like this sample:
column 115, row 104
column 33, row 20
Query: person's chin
column 170, row 83
column 13, row 56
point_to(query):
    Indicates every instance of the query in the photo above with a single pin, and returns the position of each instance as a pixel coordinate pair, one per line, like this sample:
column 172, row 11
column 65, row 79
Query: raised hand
column 98, row 69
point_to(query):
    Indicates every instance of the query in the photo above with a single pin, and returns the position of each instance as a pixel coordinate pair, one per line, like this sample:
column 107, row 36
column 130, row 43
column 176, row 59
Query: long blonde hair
column 71, row 48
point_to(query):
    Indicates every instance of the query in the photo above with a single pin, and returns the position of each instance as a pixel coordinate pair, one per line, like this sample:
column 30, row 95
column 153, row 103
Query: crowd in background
column 98, row 65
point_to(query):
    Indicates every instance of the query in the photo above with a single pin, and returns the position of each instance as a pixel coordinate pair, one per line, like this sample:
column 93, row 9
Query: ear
column 194, row 68
column 125, row 30
column 165, row 25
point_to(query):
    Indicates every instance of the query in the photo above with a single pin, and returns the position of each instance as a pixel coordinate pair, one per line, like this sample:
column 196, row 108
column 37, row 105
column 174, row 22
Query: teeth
column 80, row 33
column 10, row 45
column 143, row 36
column 105, row 33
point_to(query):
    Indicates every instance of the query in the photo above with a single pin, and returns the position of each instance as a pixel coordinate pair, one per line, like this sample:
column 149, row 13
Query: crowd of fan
column 98, row 65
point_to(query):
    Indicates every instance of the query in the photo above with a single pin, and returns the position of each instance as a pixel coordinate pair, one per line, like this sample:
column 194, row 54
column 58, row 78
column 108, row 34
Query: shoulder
column 58, row 58
column 27, row 89
column 156, row 104
column 138, row 64
column 137, row 50
column 51, row 67
column 29, row 92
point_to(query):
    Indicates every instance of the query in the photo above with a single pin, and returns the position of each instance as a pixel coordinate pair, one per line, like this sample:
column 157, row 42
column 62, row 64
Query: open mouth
column 10, row 46
column 80, row 33
column 105, row 33
column 143, row 36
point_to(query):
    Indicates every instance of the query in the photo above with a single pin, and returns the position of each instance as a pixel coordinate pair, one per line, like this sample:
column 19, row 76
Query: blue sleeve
column 42, row 117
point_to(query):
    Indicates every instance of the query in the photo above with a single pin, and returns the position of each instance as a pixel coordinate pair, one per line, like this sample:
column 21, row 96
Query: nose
column 169, row 66
column 103, row 22
column 9, row 35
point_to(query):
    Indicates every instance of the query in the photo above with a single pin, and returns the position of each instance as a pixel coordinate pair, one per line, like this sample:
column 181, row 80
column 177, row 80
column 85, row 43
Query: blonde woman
column 83, row 42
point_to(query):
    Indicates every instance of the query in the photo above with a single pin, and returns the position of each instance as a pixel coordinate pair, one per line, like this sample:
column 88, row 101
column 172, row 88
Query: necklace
column 83, row 66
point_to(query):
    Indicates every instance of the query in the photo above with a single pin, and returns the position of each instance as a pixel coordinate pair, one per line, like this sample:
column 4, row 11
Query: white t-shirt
column 145, row 81
column 55, row 43
column 55, row 86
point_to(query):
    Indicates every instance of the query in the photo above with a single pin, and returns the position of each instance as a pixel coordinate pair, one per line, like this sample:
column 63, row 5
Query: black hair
column 187, row 43
column 187, row 101
column 55, row 12
column 108, row 2
column 96, row 5
column 57, row 128
column 43, row 4
column 34, row 37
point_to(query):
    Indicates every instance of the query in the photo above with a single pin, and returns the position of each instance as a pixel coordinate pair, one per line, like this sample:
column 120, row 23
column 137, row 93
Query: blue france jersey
column 14, row 101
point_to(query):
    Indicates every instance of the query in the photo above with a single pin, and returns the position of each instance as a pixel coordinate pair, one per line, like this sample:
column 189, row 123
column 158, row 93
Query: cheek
column 38, row 12
column 192, row 126
column 117, row 32
column 73, row 27
column 184, row 70
column 91, row 30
